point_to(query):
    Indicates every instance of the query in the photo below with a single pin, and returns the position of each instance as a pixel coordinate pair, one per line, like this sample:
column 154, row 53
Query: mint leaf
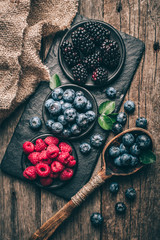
column 107, row 107
column 105, row 122
column 54, row 81
column 113, row 117
column 147, row 157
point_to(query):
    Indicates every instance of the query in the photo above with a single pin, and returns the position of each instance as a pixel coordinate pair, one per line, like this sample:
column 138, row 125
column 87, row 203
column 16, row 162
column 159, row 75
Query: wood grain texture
column 25, row 208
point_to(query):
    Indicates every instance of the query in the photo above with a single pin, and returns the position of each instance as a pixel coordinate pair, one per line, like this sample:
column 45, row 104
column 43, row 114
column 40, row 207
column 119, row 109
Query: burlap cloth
column 23, row 23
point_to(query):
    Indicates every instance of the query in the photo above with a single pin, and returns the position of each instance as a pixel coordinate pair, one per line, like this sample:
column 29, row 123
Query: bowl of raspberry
column 49, row 161
column 70, row 111
column 92, row 53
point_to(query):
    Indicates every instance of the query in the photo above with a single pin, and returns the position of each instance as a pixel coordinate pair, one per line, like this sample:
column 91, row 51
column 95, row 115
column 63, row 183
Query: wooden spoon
column 108, row 170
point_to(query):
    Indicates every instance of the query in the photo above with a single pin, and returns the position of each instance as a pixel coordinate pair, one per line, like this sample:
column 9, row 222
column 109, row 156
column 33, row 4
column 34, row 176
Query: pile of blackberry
column 91, row 53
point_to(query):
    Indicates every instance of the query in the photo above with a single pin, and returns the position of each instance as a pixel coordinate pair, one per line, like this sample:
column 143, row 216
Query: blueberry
column 69, row 95
column 117, row 161
column 70, row 114
column 79, row 93
column 35, row 123
column 141, row 122
column 120, row 208
column 49, row 124
column 128, row 139
column 96, row 219
column 114, row 151
column 88, row 106
column 48, row 102
column 130, row 193
column 114, row 187
column 90, row 115
column 82, row 120
column 57, row 127
column 75, row 129
column 57, row 94
column 134, row 161
column 96, row 140
column 129, row 106
column 66, row 133
column 61, row 102
column 117, row 128
column 62, row 120
column 121, row 118
column 80, row 102
column 54, row 108
column 143, row 141
column 123, row 149
column 111, row 92
column 66, row 105
column 85, row 148
column 125, row 160
column 135, row 150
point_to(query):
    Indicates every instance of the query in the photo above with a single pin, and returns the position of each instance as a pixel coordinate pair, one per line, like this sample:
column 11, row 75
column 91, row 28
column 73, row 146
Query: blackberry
column 110, row 53
column 93, row 61
column 79, row 74
column 97, row 32
column 70, row 54
column 100, row 76
column 82, row 41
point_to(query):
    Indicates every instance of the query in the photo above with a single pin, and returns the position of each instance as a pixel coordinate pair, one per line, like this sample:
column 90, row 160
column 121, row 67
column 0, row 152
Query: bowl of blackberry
column 70, row 111
column 49, row 161
column 92, row 53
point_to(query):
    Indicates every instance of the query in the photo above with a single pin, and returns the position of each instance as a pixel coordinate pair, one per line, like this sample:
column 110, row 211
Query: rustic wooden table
column 24, row 208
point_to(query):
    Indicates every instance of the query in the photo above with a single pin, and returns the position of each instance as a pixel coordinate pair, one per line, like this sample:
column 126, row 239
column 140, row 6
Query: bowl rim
column 24, row 156
column 122, row 46
column 70, row 85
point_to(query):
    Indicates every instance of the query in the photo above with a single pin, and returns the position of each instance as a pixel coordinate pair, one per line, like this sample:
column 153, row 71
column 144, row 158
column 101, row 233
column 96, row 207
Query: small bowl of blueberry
column 70, row 111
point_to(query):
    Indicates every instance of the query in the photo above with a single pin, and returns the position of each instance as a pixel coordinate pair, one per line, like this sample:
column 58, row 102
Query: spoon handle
column 49, row 227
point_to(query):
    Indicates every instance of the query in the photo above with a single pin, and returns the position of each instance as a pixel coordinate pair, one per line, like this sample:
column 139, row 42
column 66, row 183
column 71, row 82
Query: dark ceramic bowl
column 57, row 183
column 88, row 95
column 114, row 35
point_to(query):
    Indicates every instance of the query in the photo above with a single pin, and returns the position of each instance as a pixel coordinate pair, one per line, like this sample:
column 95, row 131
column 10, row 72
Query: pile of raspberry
column 50, row 160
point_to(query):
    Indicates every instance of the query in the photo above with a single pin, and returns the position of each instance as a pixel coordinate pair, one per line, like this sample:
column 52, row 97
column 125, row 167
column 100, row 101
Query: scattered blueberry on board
column 114, row 187
column 130, row 194
column 85, row 148
column 120, row 208
column 141, row 122
column 71, row 113
column 117, row 128
column 96, row 140
column 35, row 123
column 122, row 118
column 96, row 219
column 129, row 106
column 111, row 92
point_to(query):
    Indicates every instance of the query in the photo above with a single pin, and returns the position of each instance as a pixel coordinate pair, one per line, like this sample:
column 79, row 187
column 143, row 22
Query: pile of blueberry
column 126, row 155
column 70, row 112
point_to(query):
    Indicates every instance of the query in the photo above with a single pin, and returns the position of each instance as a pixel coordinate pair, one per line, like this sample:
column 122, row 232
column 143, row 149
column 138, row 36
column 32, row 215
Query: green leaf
column 105, row 122
column 113, row 117
column 54, row 81
column 147, row 157
column 107, row 107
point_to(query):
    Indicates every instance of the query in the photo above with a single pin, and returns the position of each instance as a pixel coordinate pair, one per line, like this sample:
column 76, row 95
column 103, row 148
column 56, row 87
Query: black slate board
column 11, row 162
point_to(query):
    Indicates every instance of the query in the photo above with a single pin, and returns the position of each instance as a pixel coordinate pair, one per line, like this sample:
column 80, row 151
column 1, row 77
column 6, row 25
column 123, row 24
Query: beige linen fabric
column 22, row 25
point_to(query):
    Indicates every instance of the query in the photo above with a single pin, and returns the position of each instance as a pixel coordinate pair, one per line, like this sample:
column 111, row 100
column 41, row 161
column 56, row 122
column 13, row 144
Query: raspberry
column 34, row 157
column 30, row 173
column 28, row 147
column 43, row 157
column 54, row 175
column 51, row 140
column 71, row 161
column 40, row 145
column 46, row 181
column 57, row 167
column 64, row 147
column 66, row 174
column 52, row 151
column 63, row 157
column 43, row 170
